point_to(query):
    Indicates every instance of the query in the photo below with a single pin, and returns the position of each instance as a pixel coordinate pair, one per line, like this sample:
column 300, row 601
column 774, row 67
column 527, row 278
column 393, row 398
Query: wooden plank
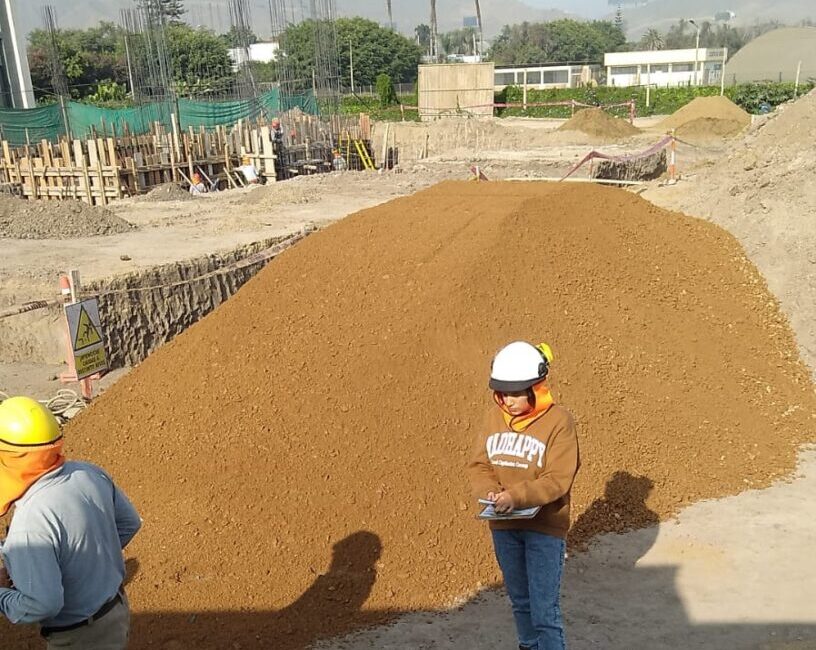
column 96, row 165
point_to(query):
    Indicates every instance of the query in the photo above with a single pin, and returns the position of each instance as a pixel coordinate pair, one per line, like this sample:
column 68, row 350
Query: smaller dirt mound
column 598, row 123
column 167, row 192
column 293, row 192
column 717, row 112
column 23, row 219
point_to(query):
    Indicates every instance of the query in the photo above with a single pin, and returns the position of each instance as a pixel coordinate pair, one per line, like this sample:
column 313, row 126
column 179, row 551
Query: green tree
column 264, row 72
column 558, row 41
column 459, row 41
column 386, row 91
column 173, row 10
column 235, row 37
column 87, row 55
column 423, row 36
column 376, row 50
column 199, row 60
column 619, row 17
column 683, row 35
column 652, row 40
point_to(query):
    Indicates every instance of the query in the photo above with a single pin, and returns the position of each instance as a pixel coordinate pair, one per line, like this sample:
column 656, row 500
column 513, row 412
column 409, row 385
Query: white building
column 16, row 90
column 545, row 76
column 701, row 66
column 260, row 52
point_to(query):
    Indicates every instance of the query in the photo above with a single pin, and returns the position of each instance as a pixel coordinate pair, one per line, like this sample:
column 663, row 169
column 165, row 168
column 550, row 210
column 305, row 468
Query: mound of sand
column 598, row 123
column 718, row 114
column 764, row 193
column 167, row 192
column 23, row 219
column 707, row 128
column 298, row 456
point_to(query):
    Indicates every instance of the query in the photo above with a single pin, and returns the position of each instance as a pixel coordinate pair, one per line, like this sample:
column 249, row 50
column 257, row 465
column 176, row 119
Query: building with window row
column 546, row 76
column 702, row 66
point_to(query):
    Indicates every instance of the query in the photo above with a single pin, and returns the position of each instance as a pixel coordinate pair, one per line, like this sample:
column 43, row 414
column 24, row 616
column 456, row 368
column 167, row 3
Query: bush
column 386, row 91
column 663, row 101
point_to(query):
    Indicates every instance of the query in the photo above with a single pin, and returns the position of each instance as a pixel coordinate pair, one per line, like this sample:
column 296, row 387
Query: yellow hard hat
column 25, row 422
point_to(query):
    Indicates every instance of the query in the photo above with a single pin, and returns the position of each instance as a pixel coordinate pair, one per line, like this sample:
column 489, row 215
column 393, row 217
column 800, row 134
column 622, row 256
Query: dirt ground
column 731, row 573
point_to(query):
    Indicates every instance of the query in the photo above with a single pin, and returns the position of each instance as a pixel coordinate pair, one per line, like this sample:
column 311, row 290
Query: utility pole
column 481, row 29
column 696, row 54
column 390, row 15
column 434, row 34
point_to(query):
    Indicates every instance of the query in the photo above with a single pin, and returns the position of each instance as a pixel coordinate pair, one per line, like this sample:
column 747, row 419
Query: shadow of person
column 333, row 604
column 621, row 509
column 131, row 569
column 336, row 598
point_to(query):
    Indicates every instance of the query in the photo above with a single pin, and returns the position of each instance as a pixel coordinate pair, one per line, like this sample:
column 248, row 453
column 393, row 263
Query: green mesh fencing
column 48, row 122
column 86, row 119
column 44, row 122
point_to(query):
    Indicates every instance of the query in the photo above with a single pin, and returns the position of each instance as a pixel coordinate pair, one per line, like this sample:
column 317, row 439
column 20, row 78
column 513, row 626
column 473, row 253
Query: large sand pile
column 298, row 456
column 765, row 194
column 597, row 123
column 707, row 117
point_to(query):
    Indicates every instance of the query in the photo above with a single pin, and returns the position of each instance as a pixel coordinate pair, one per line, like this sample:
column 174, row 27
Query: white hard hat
column 518, row 366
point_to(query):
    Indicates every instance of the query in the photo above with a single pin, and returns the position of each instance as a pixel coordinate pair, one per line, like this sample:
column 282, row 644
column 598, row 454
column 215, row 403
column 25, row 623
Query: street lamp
column 696, row 55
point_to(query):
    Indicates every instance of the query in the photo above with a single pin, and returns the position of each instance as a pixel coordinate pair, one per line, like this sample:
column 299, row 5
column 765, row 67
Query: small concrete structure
column 692, row 67
column 456, row 90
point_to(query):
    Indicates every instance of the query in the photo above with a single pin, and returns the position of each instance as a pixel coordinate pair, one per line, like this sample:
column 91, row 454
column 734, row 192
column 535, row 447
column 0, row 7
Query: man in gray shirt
column 63, row 563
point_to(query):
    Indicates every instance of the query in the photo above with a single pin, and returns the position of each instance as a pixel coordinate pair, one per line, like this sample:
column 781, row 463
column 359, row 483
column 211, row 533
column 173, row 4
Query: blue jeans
column 532, row 564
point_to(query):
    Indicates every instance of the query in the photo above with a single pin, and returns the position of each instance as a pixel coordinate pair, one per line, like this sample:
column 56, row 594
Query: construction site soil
column 23, row 219
column 596, row 122
column 763, row 192
column 707, row 117
column 298, row 455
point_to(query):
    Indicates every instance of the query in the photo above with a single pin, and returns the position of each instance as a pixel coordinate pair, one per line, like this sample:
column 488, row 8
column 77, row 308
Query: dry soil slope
column 764, row 193
column 339, row 391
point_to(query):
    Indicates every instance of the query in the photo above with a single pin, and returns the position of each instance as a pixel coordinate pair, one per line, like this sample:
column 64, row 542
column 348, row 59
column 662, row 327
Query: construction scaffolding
column 104, row 167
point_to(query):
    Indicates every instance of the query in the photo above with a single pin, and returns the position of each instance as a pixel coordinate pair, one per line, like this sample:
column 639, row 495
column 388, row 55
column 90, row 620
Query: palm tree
column 652, row 40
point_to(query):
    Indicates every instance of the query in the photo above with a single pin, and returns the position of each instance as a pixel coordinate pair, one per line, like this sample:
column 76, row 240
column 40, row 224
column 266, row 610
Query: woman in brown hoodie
column 527, row 456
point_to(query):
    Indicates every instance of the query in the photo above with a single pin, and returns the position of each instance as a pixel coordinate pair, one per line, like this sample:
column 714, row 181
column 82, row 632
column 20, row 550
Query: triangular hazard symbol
column 87, row 334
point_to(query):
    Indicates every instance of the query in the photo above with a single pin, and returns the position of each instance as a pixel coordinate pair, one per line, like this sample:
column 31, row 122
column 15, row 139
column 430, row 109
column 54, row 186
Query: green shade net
column 85, row 119
column 48, row 122
column 45, row 122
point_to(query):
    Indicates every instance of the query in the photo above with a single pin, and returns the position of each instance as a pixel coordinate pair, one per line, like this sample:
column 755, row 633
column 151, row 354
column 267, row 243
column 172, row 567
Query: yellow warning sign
column 89, row 363
column 86, row 333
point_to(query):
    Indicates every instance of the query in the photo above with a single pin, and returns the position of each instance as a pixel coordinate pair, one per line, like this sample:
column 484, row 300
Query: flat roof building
column 691, row 67
column 541, row 77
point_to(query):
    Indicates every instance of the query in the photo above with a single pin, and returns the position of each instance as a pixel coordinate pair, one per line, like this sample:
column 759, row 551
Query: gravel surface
column 23, row 219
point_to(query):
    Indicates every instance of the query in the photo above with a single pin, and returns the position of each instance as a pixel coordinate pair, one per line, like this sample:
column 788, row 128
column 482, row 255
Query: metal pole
column 722, row 75
column 351, row 66
column 798, row 75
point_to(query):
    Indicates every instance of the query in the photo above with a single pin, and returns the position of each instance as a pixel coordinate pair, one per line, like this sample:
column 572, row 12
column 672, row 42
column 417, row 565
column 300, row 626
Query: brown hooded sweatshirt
column 537, row 466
